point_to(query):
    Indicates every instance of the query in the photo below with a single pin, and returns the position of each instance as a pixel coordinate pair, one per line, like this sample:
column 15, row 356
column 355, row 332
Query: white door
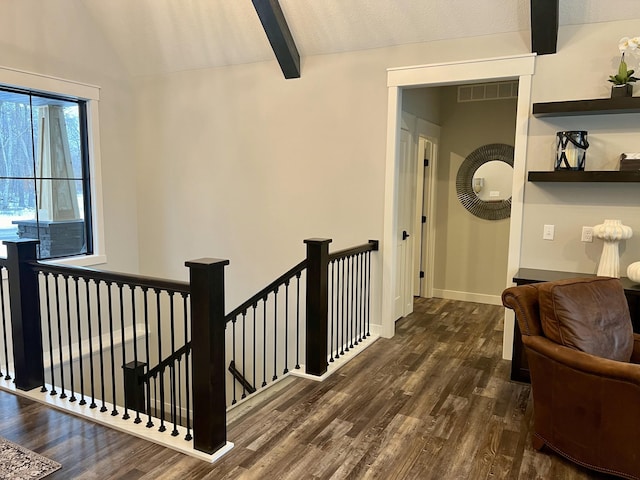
column 403, row 294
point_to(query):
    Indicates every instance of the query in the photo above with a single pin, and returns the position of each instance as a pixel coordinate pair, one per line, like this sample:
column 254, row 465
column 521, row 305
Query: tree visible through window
column 44, row 181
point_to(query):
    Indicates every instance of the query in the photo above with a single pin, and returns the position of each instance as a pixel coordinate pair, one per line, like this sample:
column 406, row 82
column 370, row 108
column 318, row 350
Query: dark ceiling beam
column 544, row 26
column 279, row 35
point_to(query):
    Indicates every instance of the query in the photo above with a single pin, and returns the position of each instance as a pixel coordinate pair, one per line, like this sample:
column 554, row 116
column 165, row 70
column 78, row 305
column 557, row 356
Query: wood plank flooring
column 434, row 402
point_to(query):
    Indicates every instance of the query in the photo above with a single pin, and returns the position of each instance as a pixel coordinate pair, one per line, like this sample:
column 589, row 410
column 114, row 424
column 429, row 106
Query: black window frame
column 84, row 162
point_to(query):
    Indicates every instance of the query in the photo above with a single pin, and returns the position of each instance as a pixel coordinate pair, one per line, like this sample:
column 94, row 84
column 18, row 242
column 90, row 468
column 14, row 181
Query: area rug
column 18, row 463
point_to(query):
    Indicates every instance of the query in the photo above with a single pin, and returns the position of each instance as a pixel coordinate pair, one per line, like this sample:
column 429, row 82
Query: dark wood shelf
column 598, row 106
column 585, row 176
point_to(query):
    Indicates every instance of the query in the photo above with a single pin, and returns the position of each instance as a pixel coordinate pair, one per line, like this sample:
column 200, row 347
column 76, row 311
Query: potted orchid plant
column 624, row 79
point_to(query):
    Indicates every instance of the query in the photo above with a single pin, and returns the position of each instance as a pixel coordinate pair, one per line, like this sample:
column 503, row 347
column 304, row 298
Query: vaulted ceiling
column 159, row 36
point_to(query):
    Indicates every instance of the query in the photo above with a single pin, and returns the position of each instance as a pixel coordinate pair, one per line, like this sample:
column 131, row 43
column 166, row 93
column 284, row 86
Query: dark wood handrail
column 186, row 348
column 281, row 280
column 113, row 277
column 371, row 246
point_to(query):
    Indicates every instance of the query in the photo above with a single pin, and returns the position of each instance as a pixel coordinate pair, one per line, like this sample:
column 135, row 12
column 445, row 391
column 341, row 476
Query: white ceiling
column 157, row 36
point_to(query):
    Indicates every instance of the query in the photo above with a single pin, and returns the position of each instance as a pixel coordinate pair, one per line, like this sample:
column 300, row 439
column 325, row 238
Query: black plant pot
column 625, row 90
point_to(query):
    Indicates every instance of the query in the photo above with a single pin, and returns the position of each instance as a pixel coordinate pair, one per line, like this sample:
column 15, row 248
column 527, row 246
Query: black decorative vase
column 625, row 90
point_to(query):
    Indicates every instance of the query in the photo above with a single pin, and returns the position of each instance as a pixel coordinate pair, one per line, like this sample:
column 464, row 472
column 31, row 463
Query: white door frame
column 519, row 67
column 427, row 132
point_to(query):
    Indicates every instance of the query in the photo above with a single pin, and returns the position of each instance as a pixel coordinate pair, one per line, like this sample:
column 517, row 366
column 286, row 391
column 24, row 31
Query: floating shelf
column 585, row 176
column 598, row 106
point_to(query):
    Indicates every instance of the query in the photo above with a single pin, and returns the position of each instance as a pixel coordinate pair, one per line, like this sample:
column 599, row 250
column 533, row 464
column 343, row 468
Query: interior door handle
column 405, row 235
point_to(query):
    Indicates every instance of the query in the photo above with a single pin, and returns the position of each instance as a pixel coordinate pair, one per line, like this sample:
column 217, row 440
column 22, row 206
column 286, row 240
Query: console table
column 524, row 276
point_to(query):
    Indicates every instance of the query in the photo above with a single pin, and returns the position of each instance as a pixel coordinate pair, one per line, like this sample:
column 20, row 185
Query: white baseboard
column 139, row 430
column 468, row 296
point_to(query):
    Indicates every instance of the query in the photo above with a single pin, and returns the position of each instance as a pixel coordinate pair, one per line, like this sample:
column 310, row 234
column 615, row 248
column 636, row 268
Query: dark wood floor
column 434, row 402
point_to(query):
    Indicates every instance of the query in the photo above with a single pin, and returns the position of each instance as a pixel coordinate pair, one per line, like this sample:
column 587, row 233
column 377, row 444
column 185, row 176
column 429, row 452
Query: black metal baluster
column 69, row 339
column 179, row 384
column 368, row 292
column 186, row 364
column 92, row 373
column 286, row 327
column 275, row 334
column 4, row 328
column 233, row 357
column 114, row 411
column 298, row 320
column 80, row 356
column 354, row 301
column 331, row 299
column 147, row 383
column 342, row 325
column 172, row 368
column 49, row 335
column 264, row 341
column 60, row 346
column 162, row 427
column 360, row 297
column 161, row 386
column 244, row 348
column 125, row 415
column 134, row 338
column 255, row 307
column 350, row 304
column 155, row 394
column 103, row 407
column 338, row 297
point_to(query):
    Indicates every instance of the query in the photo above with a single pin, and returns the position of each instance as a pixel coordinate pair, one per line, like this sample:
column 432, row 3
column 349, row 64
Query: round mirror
column 484, row 181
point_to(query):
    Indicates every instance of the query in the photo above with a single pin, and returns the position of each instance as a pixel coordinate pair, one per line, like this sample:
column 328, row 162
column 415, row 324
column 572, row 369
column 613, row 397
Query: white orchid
column 631, row 45
column 625, row 75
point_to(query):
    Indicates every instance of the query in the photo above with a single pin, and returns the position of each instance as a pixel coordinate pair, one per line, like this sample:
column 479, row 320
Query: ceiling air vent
column 487, row 91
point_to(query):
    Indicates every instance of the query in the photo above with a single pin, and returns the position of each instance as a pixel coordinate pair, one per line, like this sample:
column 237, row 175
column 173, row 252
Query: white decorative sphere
column 633, row 272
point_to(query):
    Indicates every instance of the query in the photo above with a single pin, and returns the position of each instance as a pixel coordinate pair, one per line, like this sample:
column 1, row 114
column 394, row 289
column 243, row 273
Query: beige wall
column 588, row 54
column 239, row 163
column 471, row 253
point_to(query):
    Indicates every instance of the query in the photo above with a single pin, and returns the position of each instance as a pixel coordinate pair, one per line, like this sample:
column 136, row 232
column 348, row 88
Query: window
column 45, row 191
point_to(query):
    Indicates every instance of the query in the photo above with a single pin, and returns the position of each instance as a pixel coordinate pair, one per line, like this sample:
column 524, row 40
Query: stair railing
column 80, row 323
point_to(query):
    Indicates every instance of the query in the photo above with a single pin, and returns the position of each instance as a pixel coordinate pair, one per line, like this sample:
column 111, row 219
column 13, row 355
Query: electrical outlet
column 548, row 232
column 587, row 234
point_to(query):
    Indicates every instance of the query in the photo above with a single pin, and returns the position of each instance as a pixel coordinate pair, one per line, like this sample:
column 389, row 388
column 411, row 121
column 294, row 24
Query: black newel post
column 208, row 358
column 26, row 329
column 317, row 305
column 134, row 386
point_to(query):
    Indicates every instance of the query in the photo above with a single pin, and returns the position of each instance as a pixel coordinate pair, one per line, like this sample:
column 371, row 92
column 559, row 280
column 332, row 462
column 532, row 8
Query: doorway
column 517, row 67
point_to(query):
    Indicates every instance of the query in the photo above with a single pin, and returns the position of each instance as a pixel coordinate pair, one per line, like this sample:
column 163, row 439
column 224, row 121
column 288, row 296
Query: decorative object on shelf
column 483, row 182
column 611, row 231
column 633, row 272
column 624, row 79
column 629, row 162
column 571, row 150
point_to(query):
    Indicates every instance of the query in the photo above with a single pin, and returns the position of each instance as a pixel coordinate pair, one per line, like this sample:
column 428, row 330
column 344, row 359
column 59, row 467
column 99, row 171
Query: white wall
column 58, row 39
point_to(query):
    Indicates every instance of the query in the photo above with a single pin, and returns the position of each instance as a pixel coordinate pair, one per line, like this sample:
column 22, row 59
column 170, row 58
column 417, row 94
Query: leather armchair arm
column 584, row 362
column 635, row 356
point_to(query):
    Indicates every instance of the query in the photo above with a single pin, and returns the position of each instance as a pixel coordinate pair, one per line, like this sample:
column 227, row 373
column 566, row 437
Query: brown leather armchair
column 585, row 378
